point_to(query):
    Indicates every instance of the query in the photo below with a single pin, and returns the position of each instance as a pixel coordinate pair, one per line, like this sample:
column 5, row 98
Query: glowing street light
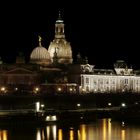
column 78, row 105
column 16, row 89
column 42, row 105
column 59, row 89
column 36, row 89
column 3, row 89
column 123, row 104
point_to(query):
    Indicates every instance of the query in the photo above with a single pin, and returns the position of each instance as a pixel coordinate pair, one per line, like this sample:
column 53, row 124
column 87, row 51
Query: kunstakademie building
column 52, row 71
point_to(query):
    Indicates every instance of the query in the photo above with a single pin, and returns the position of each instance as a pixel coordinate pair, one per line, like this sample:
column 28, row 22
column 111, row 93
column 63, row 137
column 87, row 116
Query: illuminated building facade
column 53, row 71
column 118, row 80
column 46, row 69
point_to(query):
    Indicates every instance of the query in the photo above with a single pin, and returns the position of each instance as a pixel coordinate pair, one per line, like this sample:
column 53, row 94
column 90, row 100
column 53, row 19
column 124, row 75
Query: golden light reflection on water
column 109, row 129
column 103, row 129
column 71, row 135
column 60, row 134
column 123, row 135
column 4, row 135
column 83, row 132
column 50, row 133
column 78, row 132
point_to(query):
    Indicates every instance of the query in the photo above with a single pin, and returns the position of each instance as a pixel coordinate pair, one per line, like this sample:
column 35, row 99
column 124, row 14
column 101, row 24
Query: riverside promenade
column 26, row 106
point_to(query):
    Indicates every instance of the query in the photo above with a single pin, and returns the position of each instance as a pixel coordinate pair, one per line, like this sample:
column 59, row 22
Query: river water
column 101, row 129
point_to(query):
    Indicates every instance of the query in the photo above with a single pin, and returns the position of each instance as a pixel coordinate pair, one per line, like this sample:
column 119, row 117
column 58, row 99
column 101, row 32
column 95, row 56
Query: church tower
column 59, row 46
column 59, row 28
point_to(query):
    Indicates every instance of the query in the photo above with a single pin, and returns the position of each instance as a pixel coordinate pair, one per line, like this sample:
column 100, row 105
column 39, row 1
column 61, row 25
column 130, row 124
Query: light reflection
column 3, row 135
column 51, row 132
column 123, row 134
column 109, row 129
column 38, row 135
column 48, row 132
column 60, row 134
column 104, row 129
column 90, row 132
column 83, row 132
column 78, row 133
column 71, row 134
column 43, row 134
column 54, row 132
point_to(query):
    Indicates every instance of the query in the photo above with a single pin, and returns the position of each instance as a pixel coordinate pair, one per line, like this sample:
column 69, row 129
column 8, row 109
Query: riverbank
column 67, row 101
column 76, row 107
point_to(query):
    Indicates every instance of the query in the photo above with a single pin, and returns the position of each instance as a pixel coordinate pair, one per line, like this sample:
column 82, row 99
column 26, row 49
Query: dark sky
column 104, row 32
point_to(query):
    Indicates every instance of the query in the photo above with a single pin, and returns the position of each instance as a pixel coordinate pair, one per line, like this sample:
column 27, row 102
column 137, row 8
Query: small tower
column 59, row 27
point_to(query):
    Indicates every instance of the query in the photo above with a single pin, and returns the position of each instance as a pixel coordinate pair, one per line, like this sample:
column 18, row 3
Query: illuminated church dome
column 40, row 55
column 59, row 47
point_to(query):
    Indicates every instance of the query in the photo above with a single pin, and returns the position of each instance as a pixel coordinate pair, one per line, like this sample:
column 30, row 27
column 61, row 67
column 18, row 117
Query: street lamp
column 78, row 105
column 123, row 104
column 36, row 89
column 59, row 89
column 3, row 89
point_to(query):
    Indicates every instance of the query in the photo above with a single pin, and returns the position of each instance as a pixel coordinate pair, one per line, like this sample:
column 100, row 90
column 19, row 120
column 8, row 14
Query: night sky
column 104, row 32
